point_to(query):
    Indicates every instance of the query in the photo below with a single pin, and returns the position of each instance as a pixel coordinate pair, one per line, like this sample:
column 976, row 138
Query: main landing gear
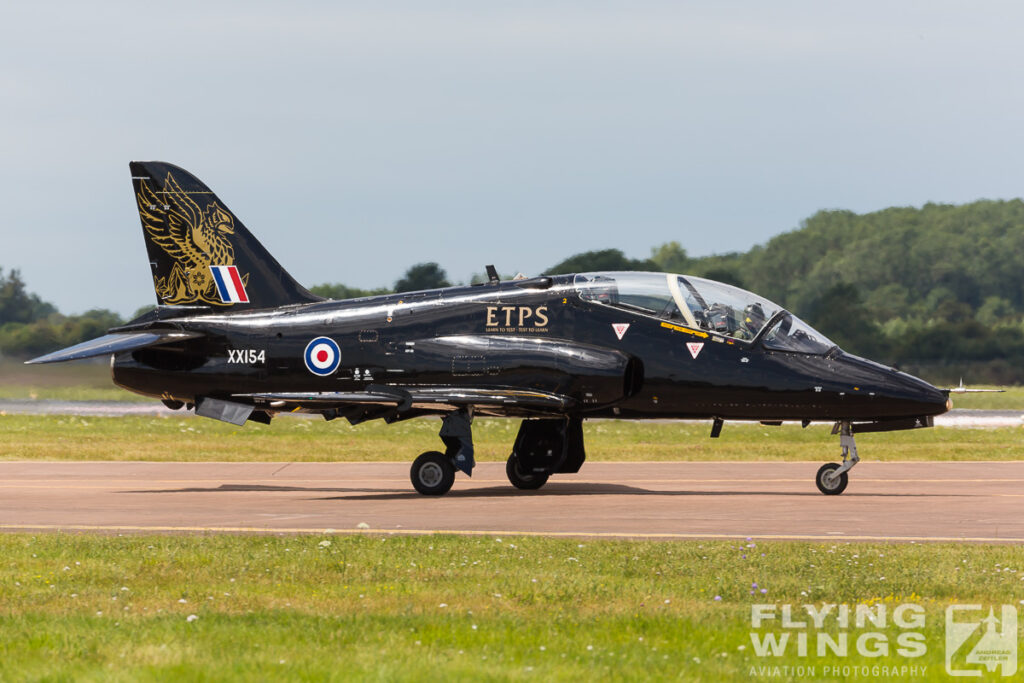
column 542, row 448
column 433, row 473
column 521, row 477
column 832, row 478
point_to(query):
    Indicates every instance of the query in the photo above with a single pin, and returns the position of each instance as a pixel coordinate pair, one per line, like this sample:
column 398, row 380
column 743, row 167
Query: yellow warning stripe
column 687, row 330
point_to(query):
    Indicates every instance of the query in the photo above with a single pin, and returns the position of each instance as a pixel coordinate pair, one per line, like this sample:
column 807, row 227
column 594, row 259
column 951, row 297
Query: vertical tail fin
column 200, row 253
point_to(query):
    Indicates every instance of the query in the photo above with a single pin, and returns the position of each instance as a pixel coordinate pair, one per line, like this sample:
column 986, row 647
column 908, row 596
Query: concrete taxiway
column 947, row 501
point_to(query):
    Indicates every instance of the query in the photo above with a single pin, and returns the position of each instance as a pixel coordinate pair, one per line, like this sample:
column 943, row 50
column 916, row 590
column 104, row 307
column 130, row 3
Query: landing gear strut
column 833, row 478
column 457, row 435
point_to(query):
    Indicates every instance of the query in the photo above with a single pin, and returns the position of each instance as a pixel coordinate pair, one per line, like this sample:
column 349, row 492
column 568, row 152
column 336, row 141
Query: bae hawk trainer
column 235, row 338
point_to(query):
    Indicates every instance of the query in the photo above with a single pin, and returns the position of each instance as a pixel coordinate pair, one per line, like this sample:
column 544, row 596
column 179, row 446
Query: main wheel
column 828, row 483
column 522, row 479
column 432, row 473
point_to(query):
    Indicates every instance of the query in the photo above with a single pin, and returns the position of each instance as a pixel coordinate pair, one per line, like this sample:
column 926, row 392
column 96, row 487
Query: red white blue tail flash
column 229, row 285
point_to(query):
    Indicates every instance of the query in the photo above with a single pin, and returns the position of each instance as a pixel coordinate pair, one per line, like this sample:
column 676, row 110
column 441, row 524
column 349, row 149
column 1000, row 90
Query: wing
column 394, row 402
column 169, row 219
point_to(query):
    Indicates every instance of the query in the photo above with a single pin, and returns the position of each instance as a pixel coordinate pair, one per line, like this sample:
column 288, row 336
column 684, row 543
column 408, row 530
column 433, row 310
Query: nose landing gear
column 833, row 478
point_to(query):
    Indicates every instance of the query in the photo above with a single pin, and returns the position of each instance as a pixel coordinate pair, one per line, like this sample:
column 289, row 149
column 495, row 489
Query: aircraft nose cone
column 932, row 400
column 897, row 393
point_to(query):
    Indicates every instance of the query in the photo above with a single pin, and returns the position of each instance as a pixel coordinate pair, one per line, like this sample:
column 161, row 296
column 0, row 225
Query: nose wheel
column 832, row 478
column 830, row 483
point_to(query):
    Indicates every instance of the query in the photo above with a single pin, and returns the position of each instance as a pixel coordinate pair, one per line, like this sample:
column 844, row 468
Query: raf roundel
column 322, row 356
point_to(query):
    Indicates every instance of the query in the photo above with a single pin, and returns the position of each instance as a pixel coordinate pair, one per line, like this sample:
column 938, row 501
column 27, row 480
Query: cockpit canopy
column 703, row 305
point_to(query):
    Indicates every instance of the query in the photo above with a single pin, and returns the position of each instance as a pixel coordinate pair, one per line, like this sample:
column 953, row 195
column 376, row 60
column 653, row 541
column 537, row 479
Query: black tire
column 432, row 473
column 528, row 481
column 829, row 485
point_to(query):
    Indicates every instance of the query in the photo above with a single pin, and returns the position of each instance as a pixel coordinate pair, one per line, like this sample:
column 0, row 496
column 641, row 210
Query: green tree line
column 30, row 326
column 936, row 290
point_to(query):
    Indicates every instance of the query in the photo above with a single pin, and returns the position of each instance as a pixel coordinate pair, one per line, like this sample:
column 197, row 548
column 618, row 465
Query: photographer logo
column 978, row 645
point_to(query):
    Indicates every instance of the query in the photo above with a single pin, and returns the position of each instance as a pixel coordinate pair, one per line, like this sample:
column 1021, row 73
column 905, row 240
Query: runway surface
column 976, row 502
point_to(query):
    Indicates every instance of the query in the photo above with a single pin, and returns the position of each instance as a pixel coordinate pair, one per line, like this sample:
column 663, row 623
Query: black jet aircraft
column 236, row 338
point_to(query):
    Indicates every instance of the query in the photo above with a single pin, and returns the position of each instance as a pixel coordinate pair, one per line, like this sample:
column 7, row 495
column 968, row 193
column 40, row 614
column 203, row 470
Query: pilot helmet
column 754, row 315
column 719, row 319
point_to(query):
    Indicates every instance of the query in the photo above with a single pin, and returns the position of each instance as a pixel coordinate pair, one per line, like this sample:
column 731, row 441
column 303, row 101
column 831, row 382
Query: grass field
column 291, row 439
column 442, row 607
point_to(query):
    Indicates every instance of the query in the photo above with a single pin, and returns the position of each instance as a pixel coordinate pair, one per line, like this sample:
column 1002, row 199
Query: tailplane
column 200, row 253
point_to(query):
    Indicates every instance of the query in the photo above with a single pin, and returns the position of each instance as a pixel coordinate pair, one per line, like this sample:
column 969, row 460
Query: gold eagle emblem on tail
column 194, row 238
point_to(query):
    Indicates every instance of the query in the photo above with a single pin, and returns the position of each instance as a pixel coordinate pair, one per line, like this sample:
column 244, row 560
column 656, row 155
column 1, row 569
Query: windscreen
column 792, row 334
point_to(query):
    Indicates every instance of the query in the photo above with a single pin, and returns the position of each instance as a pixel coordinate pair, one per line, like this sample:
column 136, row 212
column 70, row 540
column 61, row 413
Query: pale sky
column 356, row 139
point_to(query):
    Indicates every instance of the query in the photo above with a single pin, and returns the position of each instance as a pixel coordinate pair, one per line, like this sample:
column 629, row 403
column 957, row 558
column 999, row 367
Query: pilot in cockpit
column 753, row 320
column 731, row 322
column 723, row 319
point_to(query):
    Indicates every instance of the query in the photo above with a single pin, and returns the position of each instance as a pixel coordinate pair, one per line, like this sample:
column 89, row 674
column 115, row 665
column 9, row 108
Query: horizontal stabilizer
column 114, row 343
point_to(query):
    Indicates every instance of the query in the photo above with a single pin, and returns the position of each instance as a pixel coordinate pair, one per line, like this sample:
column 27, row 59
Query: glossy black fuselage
column 531, row 334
